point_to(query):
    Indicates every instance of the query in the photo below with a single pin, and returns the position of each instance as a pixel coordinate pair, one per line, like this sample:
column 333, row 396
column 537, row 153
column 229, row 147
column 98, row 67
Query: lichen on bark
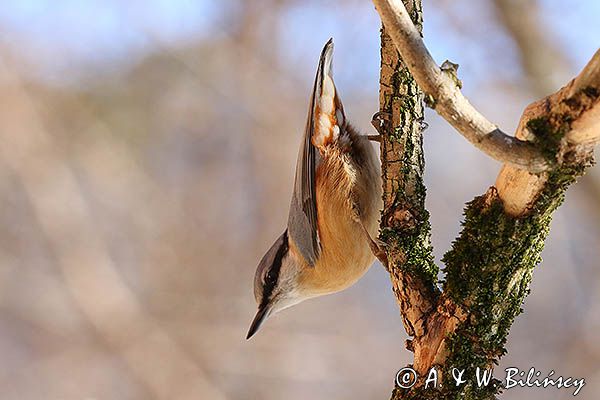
column 488, row 272
column 405, row 221
column 489, row 267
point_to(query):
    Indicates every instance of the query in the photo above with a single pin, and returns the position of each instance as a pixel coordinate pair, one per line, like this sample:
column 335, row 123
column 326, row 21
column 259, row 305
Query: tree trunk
column 489, row 267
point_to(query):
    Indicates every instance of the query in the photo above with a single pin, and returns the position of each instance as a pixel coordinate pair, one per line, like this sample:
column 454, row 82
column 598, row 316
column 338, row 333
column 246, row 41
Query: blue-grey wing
column 302, row 222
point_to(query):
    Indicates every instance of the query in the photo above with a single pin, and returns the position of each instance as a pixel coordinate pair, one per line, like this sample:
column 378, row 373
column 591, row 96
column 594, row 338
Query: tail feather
column 328, row 112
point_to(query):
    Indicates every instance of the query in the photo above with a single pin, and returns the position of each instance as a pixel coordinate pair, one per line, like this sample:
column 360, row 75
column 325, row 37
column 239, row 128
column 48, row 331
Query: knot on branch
column 451, row 70
column 401, row 219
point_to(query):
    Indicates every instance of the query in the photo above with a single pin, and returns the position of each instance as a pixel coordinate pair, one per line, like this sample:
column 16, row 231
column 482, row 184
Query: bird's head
column 276, row 283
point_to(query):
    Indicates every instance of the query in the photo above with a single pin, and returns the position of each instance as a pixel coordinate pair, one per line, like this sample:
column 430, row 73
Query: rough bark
column 405, row 221
column 489, row 267
column 443, row 94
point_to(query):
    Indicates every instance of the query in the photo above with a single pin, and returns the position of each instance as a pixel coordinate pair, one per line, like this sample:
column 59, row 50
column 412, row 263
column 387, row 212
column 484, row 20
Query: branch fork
column 487, row 270
column 451, row 104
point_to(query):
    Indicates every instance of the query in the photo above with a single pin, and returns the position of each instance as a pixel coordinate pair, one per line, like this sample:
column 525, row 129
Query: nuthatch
column 334, row 212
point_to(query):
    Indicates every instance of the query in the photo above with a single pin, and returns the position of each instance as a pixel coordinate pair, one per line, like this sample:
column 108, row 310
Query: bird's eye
column 270, row 278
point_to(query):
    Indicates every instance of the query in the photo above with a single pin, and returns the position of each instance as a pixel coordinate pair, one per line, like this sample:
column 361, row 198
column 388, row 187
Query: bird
column 328, row 243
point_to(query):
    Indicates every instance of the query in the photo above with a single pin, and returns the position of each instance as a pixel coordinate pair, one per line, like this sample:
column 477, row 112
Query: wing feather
column 302, row 222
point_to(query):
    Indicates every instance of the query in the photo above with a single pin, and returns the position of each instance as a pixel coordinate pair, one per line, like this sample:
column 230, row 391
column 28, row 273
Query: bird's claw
column 378, row 247
column 381, row 121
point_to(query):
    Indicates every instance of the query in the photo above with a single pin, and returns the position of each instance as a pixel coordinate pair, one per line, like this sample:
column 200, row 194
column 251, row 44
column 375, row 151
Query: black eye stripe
column 272, row 275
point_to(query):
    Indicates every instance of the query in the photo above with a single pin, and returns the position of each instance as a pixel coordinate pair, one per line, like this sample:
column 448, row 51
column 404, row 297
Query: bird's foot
column 378, row 247
column 382, row 122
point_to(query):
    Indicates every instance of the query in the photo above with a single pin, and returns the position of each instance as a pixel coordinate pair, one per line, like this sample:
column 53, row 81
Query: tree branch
column 446, row 97
column 405, row 221
column 489, row 268
column 567, row 124
column 544, row 64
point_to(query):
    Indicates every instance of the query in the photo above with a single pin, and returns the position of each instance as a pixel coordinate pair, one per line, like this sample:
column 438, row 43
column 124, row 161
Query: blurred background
column 146, row 163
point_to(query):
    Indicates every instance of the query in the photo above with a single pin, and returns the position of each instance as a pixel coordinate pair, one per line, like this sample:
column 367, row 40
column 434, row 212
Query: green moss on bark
column 546, row 137
column 490, row 266
column 488, row 272
column 403, row 166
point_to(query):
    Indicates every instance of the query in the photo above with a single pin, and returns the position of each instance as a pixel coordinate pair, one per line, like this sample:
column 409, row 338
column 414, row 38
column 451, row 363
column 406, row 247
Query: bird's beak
column 261, row 316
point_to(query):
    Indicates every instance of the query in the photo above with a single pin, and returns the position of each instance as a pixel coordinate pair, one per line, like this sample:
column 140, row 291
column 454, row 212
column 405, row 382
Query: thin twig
column 447, row 98
column 543, row 63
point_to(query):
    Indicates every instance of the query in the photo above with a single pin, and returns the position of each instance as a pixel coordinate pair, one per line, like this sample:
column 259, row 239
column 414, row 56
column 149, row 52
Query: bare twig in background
column 544, row 64
column 446, row 97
